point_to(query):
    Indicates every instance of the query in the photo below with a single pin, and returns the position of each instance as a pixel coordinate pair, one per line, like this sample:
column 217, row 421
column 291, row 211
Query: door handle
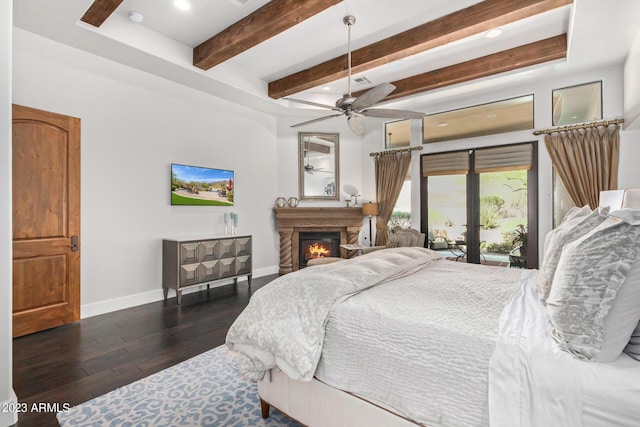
column 74, row 244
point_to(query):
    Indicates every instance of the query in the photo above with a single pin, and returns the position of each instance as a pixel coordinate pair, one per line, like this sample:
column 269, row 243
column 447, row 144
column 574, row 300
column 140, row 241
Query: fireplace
column 317, row 244
column 345, row 222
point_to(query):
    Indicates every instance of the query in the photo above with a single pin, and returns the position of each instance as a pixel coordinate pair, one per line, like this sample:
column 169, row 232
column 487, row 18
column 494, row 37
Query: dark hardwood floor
column 74, row 363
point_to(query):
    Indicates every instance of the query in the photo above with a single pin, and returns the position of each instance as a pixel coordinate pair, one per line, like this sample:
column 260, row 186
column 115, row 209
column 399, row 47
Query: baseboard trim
column 115, row 304
column 9, row 418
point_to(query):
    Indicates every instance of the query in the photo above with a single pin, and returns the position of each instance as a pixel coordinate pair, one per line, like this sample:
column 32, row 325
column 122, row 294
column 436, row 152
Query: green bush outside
column 491, row 211
column 399, row 218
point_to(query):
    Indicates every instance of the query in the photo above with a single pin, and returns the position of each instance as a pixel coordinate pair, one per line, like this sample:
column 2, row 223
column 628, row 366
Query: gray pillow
column 407, row 237
column 576, row 226
column 401, row 239
column 594, row 303
column 576, row 212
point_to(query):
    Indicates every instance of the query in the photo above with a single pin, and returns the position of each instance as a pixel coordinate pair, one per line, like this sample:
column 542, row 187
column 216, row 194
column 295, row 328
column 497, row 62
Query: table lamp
column 370, row 209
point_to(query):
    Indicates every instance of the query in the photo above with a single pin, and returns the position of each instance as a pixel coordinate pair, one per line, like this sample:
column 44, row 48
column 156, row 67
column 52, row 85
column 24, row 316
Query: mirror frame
column 301, row 163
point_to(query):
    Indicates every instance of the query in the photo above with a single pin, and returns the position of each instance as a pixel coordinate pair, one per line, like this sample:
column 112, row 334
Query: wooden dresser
column 195, row 261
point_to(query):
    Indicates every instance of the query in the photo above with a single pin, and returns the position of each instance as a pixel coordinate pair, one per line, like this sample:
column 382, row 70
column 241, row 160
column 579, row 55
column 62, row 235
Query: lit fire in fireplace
column 317, row 250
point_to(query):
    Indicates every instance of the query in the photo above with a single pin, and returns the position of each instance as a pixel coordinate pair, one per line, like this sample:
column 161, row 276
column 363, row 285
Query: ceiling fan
column 309, row 168
column 357, row 108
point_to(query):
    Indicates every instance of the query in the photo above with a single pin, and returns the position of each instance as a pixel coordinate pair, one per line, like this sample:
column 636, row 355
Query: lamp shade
column 370, row 209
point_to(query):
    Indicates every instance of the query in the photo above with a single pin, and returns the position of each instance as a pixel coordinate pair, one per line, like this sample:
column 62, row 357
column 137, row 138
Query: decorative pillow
column 407, row 236
column 576, row 212
column 401, row 239
column 631, row 198
column 576, row 226
column 594, row 303
column 633, row 348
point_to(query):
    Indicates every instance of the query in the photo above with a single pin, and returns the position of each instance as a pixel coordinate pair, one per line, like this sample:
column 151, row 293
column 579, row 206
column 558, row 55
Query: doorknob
column 74, row 243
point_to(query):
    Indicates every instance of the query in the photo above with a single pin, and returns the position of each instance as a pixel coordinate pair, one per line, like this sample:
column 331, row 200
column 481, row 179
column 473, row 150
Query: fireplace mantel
column 291, row 221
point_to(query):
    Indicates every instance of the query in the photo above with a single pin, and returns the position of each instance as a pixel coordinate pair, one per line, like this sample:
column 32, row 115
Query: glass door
column 503, row 214
column 483, row 205
column 447, row 213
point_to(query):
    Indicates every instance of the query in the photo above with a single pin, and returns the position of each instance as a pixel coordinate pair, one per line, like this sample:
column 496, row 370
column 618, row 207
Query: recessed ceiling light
column 326, row 87
column 493, row 33
column 443, row 124
column 136, row 17
column 182, row 4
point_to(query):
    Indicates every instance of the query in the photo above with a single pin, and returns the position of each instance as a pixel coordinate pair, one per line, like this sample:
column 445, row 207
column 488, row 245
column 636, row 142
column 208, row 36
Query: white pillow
column 594, row 303
column 577, row 225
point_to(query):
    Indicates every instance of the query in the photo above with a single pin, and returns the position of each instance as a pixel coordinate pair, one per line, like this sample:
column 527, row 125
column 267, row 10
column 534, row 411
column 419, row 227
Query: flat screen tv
column 196, row 185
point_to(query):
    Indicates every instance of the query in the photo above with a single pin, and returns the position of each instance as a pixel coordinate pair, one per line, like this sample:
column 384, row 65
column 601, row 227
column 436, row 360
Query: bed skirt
column 315, row 404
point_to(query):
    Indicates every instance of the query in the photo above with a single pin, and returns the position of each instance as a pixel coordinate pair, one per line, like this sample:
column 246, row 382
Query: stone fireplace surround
column 292, row 221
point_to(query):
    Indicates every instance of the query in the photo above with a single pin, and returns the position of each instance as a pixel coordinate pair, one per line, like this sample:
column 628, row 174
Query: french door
column 477, row 199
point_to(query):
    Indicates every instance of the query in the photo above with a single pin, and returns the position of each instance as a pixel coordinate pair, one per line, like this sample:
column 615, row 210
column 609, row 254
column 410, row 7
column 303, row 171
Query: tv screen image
column 196, row 185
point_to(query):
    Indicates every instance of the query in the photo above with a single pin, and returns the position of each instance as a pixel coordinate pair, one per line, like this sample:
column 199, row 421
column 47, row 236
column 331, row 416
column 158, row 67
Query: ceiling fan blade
column 315, row 104
column 356, row 124
column 393, row 114
column 316, row 120
column 373, row 96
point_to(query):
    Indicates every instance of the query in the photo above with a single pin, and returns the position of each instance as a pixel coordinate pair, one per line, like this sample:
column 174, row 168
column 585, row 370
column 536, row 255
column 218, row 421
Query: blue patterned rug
column 206, row 390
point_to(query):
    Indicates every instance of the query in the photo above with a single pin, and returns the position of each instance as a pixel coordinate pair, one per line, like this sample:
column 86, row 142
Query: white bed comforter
column 420, row 346
column 284, row 322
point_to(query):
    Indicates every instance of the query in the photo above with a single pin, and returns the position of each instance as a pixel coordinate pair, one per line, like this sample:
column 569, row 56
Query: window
column 577, row 104
column 397, row 134
column 497, row 117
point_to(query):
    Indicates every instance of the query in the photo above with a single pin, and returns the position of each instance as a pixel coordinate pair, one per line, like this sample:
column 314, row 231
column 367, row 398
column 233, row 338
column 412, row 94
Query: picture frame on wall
column 201, row 186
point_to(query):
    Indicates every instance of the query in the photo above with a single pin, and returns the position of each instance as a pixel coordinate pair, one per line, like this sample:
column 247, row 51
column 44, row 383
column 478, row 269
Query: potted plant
column 521, row 239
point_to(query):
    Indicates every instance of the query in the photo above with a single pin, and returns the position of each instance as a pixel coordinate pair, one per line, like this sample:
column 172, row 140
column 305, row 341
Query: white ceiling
column 599, row 34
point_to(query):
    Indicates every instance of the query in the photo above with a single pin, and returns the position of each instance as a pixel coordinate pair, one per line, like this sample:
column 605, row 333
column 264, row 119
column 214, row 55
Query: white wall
column 350, row 148
column 612, row 108
column 134, row 125
column 632, row 86
column 7, row 396
column 630, row 150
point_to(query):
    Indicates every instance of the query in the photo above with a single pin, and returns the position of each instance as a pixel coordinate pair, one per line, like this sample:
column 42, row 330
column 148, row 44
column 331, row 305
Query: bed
column 403, row 337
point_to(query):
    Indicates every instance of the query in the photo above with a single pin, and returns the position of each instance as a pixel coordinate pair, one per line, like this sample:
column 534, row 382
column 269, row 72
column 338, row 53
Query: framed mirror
column 319, row 166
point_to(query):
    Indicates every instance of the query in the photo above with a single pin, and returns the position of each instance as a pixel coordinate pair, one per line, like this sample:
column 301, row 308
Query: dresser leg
column 166, row 292
column 179, row 297
column 249, row 281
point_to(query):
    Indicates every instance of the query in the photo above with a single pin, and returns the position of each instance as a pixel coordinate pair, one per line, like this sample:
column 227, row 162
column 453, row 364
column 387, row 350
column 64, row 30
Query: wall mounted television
column 196, row 185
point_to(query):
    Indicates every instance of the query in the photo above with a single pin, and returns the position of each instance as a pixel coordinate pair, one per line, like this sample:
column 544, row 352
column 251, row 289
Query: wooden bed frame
column 316, row 404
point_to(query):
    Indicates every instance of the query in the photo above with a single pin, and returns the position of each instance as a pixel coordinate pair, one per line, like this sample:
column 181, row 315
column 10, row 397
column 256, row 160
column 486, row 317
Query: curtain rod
column 397, row 150
column 580, row 126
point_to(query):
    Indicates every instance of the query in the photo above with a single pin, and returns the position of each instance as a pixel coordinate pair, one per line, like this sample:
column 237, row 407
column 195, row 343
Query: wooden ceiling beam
column 99, row 11
column 475, row 19
column 519, row 57
column 266, row 22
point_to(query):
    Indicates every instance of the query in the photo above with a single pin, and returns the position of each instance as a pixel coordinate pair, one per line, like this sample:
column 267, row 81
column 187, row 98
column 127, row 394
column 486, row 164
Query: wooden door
column 46, row 220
